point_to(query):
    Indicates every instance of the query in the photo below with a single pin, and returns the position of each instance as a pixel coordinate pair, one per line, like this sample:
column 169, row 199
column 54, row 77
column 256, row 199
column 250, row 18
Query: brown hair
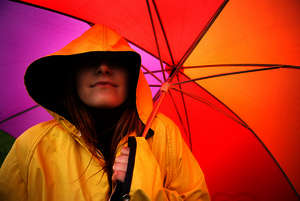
column 79, row 114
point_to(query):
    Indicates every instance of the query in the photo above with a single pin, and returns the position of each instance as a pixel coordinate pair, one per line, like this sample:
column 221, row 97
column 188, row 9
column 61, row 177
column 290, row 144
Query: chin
column 104, row 102
column 105, row 105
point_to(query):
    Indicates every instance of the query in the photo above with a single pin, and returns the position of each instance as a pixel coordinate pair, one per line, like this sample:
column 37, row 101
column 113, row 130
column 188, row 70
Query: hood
column 44, row 77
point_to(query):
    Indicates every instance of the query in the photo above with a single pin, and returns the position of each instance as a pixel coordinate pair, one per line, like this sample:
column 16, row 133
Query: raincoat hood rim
column 99, row 39
column 44, row 77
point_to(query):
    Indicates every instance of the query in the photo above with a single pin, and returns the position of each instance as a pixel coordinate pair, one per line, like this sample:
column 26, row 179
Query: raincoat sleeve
column 165, row 169
column 12, row 175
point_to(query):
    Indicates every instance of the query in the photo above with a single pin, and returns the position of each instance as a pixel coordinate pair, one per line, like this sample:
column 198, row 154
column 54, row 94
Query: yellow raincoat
column 51, row 162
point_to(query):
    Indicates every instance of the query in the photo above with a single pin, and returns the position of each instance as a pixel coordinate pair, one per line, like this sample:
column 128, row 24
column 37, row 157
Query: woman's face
column 104, row 86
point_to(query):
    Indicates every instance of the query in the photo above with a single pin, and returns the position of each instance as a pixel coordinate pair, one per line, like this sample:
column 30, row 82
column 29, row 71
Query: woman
column 91, row 150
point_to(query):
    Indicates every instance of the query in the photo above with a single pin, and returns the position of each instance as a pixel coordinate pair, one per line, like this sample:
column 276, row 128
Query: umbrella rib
column 157, row 71
column 55, row 11
column 199, row 37
column 19, row 113
column 225, row 74
column 178, row 114
column 80, row 19
column 234, row 65
column 129, row 41
column 244, row 124
column 216, row 99
column 156, row 96
column 154, row 85
column 242, row 65
column 186, row 115
column 164, row 32
column 155, row 37
column 275, row 161
column 202, row 100
column 151, row 73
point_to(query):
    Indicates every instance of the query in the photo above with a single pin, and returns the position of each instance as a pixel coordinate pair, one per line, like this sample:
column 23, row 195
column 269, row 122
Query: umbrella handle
column 164, row 89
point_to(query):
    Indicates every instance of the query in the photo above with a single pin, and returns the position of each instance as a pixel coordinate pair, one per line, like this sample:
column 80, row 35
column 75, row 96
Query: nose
column 104, row 69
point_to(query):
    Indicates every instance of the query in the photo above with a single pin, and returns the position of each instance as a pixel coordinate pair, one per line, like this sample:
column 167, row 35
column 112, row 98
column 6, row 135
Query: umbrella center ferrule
column 165, row 87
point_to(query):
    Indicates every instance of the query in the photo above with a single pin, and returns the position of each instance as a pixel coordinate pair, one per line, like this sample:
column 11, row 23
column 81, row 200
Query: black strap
column 123, row 188
column 150, row 132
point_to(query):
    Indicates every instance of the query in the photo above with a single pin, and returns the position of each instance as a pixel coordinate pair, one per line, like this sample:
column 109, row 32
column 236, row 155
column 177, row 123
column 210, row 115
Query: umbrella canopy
column 240, row 113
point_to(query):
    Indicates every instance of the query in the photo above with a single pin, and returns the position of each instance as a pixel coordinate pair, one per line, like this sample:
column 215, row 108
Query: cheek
column 83, row 94
column 124, row 88
column 81, row 84
column 123, row 93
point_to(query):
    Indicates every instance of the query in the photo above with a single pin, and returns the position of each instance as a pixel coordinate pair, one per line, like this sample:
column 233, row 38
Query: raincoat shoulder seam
column 170, row 144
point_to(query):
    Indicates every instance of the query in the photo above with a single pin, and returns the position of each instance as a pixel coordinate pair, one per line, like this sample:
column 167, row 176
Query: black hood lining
column 45, row 79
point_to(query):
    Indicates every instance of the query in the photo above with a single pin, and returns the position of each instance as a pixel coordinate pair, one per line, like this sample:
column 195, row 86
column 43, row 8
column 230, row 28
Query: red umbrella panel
column 233, row 67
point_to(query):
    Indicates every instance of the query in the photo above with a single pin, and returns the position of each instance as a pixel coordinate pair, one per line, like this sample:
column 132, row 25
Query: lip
column 104, row 84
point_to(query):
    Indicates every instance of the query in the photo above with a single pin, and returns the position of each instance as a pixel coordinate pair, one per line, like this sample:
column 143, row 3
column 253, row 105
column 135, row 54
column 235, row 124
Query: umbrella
column 233, row 71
